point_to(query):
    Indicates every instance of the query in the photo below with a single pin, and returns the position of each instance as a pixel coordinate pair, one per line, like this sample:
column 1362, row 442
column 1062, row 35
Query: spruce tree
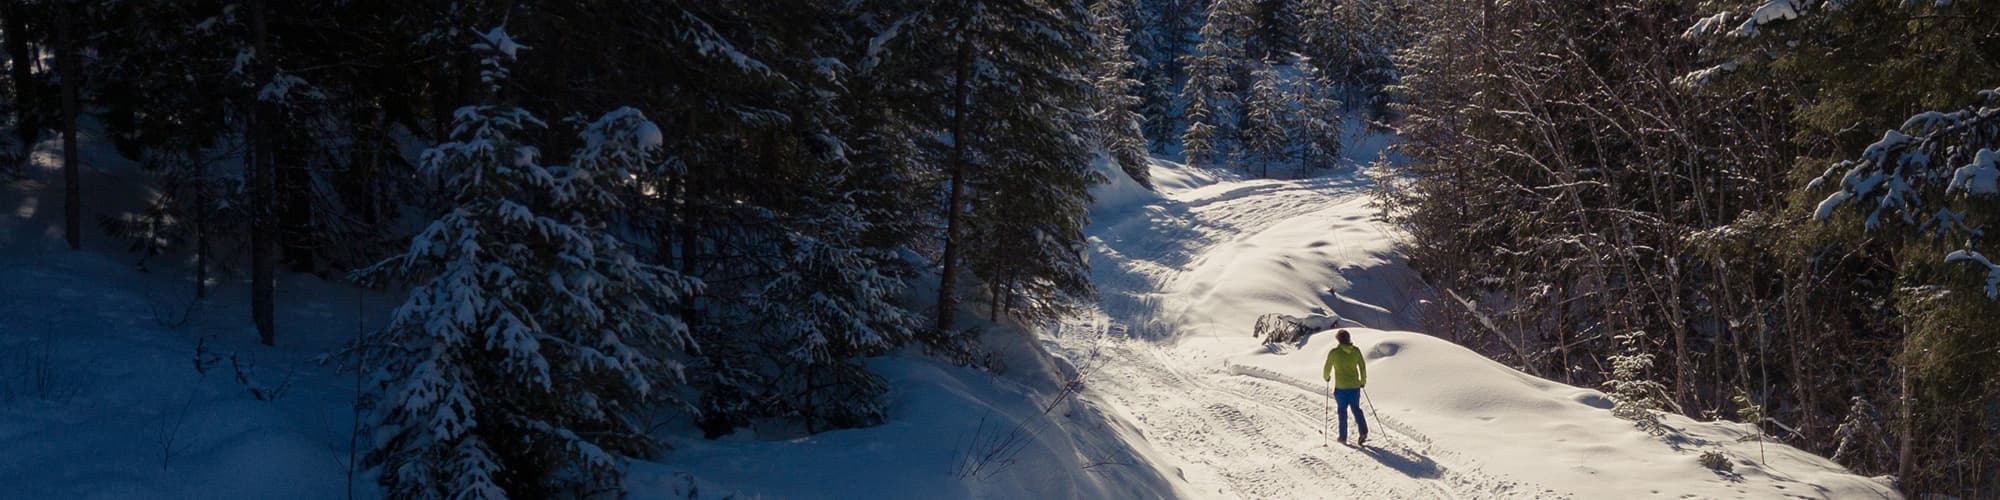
column 534, row 335
column 1163, row 34
column 1268, row 122
column 1218, row 74
column 1019, row 158
column 1116, row 124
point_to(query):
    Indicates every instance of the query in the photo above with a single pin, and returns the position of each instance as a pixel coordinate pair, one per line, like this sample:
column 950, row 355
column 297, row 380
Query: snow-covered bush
column 33, row 371
column 1860, row 433
column 1633, row 396
column 1716, row 461
column 1286, row 329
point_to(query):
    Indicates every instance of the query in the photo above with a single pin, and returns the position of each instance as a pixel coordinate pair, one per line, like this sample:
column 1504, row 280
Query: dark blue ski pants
column 1345, row 400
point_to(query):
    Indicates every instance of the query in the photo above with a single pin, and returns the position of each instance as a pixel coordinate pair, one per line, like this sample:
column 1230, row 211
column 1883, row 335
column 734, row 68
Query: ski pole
column 1371, row 406
column 1325, row 421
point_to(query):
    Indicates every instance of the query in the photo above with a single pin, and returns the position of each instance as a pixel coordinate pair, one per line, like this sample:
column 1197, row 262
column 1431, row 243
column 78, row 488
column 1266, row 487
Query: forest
column 595, row 212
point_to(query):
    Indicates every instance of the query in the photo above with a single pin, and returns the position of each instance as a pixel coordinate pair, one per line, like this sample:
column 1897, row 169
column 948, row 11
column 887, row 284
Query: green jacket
column 1345, row 367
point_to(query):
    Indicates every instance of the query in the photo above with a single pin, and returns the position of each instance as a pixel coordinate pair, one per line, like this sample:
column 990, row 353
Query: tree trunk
column 686, row 225
column 71, row 72
column 201, row 202
column 263, row 279
column 1905, row 425
column 23, row 73
column 689, row 244
column 947, row 296
column 994, row 291
column 294, row 216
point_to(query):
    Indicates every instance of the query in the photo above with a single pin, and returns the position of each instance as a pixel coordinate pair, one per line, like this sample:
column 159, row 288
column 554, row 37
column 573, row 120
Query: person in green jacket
column 1349, row 373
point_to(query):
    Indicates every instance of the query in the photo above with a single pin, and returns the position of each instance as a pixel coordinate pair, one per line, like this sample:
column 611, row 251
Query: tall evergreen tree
column 1215, row 76
column 1267, row 123
column 1116, row 125
column 70, row 71
column 1163, row 34
column 1018, row 108
column 534, row 335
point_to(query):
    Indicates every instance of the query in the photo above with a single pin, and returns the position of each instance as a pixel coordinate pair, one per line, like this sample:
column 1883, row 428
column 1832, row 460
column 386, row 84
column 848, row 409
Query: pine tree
column 1163, row 34
column 1289, row 120
column 70, row 71
column 1353, row 43
column 1116, row 125
column 1316, row 118
column 534, row 335
column 1892, row 115
column 1215, row 76
column 1860, row 433
column 25, row 106
column 1268, row 123
column 1275, row 29
column 1020, row 173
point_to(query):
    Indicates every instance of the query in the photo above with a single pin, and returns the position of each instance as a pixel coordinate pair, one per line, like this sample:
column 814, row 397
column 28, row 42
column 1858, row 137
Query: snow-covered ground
column 1190, row 268
column 100, row 396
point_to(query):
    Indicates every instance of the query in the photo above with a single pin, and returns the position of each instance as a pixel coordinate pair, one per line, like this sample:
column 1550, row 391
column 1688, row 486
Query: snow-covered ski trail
column 1240, row 436
column 1184, row 272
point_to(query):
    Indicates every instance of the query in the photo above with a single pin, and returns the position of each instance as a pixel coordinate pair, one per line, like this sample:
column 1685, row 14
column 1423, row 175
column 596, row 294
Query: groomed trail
column 1184, row 270
column 1240, row 436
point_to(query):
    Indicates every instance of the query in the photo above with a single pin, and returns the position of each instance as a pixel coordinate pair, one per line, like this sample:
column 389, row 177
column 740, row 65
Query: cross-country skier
column 1347, row 371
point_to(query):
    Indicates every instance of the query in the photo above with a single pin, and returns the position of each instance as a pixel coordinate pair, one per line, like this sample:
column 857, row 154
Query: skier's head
column 1342, row 337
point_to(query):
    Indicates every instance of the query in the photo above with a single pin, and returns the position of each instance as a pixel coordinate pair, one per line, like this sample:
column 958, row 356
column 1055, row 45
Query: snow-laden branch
column 1992, row 270
column 1891, row 172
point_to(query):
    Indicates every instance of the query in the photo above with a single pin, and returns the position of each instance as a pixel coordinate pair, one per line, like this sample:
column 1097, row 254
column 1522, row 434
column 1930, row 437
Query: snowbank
column 1452, row 400
column 1337, row 260
column 944, row 421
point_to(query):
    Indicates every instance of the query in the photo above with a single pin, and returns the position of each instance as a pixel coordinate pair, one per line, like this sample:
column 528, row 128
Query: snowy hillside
column 1191, row 269
column 117, row 384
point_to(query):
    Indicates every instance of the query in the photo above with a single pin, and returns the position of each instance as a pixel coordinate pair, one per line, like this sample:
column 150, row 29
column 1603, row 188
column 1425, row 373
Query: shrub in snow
column 1860, row 434
column 1633, row 396
column 533, row 335
column 1281, row 328
column 1716, row 461
column 34, row 372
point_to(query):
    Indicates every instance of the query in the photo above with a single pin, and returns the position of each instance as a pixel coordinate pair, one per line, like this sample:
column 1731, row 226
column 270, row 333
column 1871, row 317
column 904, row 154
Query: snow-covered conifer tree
column 1163, row 34
column 1116, row 125
column 1316, row 117
column 1267, row 121
column 1213, row 82
column 533, row 334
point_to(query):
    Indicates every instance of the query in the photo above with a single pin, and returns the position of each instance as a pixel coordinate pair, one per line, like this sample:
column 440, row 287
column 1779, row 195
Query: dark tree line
column 1598, row 182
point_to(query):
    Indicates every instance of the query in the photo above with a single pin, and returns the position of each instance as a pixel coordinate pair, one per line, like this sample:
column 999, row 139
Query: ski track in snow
column 1241, row 434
